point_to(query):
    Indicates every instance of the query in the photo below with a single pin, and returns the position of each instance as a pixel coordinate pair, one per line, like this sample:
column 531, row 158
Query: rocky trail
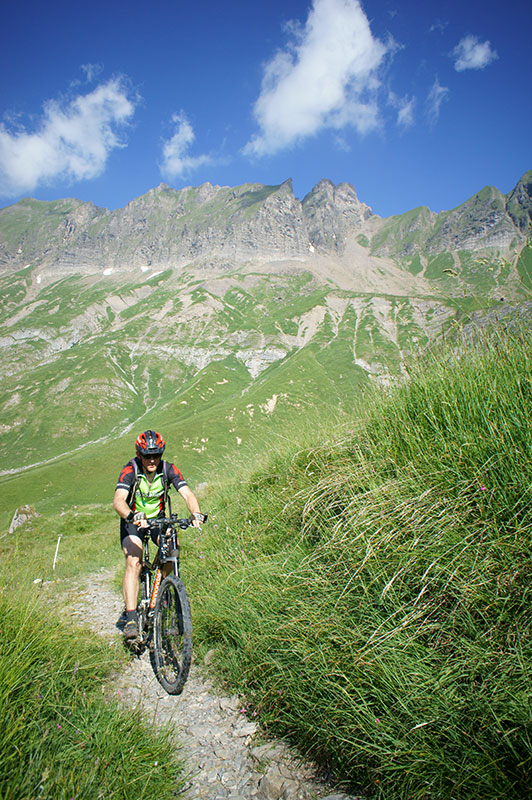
column 225, row 755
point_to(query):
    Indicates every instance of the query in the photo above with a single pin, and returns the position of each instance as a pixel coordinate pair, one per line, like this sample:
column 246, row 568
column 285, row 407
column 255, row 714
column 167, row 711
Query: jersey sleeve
column 175, row 477
column 126, row 479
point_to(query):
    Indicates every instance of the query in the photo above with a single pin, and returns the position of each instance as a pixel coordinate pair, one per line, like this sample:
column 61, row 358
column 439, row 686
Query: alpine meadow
column 350, row 396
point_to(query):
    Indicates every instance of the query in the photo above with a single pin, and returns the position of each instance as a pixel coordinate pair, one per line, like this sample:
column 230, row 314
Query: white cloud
column 176, row 162
column 326, row 77
column 91, row 71
column 341, row 143
column 405, row 115
column 73, row 141
column 439, row 26
column 470, row 53
column 405, row 109
column 435, row 98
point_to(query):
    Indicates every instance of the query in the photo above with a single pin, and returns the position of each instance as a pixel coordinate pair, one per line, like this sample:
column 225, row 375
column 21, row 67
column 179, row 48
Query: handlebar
column 161, row 525
column 166, row 522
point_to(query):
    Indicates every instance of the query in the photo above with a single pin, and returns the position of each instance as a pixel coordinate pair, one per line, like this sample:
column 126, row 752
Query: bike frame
column 167, row 541
column 151, row 574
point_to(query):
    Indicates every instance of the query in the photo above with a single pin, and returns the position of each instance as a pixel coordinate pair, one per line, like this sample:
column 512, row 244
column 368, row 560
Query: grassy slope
column 223, row 420
column 371, row 595
column 203, row 415
column 69, row 353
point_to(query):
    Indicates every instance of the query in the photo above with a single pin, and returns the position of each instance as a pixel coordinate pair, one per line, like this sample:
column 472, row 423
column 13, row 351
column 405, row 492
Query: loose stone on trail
column 218, row 742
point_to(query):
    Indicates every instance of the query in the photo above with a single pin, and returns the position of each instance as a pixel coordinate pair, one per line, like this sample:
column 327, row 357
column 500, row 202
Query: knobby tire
column 172, row 635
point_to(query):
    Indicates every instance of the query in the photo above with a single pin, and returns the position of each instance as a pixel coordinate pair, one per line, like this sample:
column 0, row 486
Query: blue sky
column 412, row 103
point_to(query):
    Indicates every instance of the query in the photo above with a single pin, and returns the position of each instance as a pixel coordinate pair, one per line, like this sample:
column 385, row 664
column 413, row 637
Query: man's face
column 150, row 462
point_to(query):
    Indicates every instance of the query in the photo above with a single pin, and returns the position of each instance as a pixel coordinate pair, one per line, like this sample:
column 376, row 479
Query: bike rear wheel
column 172, row 635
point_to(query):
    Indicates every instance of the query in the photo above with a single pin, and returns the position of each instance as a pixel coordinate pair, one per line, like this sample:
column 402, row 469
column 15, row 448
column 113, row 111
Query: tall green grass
column 371, row 595
column 62, row 735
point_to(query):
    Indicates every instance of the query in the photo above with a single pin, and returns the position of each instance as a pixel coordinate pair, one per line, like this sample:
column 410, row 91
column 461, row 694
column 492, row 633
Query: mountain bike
column 164, row 619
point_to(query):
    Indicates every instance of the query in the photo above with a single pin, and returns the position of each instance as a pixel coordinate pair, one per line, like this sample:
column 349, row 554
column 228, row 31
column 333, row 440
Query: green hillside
column 212, row 363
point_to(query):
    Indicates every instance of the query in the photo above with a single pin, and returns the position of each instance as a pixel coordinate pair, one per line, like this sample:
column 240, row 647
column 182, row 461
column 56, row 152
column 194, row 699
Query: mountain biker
column 140, row 496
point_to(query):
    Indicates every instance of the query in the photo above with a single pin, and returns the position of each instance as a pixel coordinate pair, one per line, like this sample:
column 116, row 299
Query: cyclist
column 139, row 496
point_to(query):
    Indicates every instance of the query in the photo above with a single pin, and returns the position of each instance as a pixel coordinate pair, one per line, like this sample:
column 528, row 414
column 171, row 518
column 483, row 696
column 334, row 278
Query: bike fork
column 155, row 589
column 174, row 560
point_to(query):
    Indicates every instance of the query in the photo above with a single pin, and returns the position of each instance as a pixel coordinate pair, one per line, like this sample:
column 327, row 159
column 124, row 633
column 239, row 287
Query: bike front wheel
column 172, row 635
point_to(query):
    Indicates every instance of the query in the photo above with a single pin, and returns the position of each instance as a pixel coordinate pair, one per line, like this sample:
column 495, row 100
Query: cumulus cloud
column 73, row 141
column 326, row 78
column 470, row 53
column 176, row 161
column 435, row 98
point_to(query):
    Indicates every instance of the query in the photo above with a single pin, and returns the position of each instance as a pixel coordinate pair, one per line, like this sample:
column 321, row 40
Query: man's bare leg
column 132, row 547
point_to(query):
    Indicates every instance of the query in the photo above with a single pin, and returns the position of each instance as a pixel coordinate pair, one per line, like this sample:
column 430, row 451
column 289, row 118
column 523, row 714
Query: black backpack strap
column 166, row 486
column 133, row 490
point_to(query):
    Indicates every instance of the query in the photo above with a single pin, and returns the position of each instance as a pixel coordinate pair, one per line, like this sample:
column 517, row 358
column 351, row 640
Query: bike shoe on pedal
column 131, row 630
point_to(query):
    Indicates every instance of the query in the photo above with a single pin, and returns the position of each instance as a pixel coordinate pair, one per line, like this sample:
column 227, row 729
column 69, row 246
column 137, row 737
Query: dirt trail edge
column 216, row 739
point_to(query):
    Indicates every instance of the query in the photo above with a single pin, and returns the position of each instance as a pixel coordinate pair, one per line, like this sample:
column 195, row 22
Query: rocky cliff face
column 481, row 221
column 176, row 227
column 162, row 228
column 224, row 226
column 519, row 204
column 488, row 220
column 331, row 213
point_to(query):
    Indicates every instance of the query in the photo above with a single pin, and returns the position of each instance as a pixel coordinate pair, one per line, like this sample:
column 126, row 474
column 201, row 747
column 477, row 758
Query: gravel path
column 224, row 760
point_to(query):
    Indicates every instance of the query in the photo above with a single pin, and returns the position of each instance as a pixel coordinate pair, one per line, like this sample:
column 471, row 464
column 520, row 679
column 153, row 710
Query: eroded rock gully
column 217, row 741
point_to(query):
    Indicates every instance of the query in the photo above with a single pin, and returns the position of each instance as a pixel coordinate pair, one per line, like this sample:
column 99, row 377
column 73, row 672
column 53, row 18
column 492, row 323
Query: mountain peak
column 332, row 212
column 325, row 188
column 287, row 185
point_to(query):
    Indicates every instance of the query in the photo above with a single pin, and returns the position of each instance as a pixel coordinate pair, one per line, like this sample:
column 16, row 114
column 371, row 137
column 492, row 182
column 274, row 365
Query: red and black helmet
column 150, row 443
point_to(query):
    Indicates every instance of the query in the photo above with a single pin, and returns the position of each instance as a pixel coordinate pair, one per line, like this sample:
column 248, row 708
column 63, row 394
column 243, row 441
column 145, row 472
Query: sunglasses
column 150, row 456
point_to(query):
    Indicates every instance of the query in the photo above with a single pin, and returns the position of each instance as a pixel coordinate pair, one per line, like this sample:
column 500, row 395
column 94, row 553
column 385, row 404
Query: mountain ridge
column 214, row 224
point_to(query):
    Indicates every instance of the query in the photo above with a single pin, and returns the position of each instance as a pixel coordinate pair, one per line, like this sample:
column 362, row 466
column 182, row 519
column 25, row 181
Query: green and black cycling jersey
column 149, row 497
